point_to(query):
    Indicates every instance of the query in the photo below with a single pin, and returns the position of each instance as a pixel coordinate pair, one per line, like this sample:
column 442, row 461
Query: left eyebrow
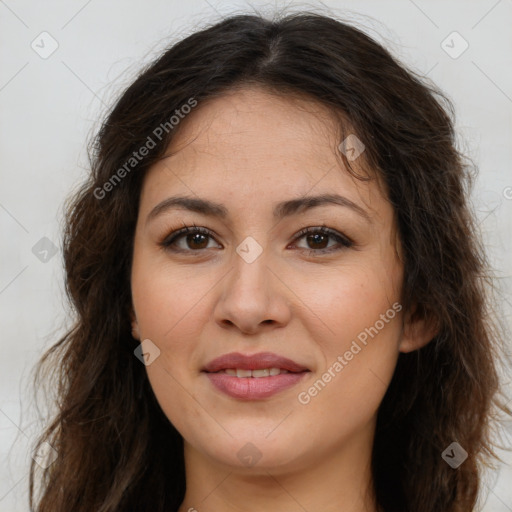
column 281, row 210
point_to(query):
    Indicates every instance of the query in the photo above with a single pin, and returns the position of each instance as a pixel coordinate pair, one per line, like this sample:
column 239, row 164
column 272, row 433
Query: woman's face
column 329, row 303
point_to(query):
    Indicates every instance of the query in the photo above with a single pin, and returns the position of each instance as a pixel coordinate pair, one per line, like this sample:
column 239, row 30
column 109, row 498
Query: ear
column 135, row 325
column 418, row 330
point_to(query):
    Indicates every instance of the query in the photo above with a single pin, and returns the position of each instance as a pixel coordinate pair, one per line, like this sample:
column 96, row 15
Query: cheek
column 359, row 364
column 341, row 303
column 169, row 300
column 196, row 422
column 359, row 339
column 337, row 406
column 170, row 306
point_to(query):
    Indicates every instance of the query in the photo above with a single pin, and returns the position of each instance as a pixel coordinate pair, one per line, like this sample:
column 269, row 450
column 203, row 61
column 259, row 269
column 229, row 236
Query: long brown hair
column 116, row 449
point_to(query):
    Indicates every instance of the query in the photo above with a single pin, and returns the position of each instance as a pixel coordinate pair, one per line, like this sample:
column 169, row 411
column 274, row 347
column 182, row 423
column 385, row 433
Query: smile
column 257, row 374
column 253, row 377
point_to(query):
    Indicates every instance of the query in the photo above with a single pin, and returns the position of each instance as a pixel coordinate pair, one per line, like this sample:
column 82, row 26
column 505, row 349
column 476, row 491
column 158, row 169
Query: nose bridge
column 250, row 276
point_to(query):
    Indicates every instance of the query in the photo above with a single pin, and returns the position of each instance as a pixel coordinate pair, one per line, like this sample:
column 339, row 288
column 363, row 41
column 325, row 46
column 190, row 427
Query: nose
column 253, row 297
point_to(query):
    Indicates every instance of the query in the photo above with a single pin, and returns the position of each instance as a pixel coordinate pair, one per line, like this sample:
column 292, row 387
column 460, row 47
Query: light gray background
column 49, row 107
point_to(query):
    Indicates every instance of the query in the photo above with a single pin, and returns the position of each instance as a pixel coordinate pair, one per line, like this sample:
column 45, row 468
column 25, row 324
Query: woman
column 278, row 287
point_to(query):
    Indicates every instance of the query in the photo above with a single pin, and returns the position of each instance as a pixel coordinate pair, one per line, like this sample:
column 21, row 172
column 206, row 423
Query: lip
column 250, row 388
column 253, row 362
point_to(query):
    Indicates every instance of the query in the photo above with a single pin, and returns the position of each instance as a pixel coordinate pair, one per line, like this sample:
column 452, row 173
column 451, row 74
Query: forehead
column 257, row 146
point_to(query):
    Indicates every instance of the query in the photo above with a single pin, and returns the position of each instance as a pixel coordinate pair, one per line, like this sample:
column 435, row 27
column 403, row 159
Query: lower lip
column 250, row 388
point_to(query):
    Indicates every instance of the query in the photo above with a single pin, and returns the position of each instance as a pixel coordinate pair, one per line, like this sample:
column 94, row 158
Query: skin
column 248, row 150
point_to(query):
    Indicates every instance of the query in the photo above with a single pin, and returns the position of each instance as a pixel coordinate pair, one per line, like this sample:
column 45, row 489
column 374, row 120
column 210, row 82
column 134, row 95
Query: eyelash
column 342, row 240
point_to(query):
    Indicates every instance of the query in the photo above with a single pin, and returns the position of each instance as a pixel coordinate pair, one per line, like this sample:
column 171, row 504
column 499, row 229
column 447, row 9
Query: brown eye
column 317, row 240
column 195, row 239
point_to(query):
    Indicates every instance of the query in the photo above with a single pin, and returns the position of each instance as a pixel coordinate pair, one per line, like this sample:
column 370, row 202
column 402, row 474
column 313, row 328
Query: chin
column 256, row 450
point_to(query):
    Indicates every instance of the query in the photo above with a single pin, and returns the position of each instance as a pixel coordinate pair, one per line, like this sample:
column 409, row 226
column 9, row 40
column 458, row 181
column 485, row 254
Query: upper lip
column 253, row 362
